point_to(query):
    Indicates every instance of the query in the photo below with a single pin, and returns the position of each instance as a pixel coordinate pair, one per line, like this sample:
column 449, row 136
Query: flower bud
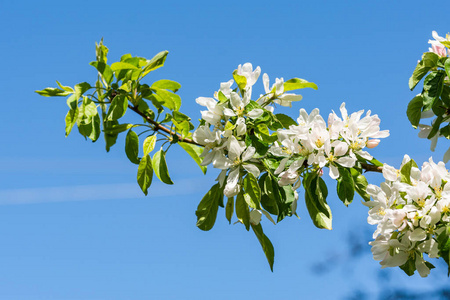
column 372, row 143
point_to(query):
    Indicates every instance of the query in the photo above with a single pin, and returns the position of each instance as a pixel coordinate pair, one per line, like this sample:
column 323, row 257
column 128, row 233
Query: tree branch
column 161, row 127
column 371, row 168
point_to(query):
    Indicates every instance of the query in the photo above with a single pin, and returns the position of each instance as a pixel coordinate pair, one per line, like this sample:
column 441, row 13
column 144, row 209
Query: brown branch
column 161, row 127
column 371, row 168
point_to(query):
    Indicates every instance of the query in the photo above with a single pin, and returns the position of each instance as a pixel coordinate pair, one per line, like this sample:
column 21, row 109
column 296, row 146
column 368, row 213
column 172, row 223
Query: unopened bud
column 372, row 143
column 320, row 172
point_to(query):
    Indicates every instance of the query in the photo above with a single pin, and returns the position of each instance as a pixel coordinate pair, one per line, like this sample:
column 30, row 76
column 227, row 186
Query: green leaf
column 315, row 197
column 110, row 139
column 65, row 88
column 118, row 128
column 53, row 92
column 242, row 211
column 81, row 88
column 444, row 246
column 132, row 147
column 445, row 131
column 117, row 108
column 101, row 51
column 409, row 267
column 104, row 70
column 117, row 66
column 268, row 203
column 252, row 191
column 72, row 102
column 345, row 186
column 445, row 95
column 168, row 99
column 229, row 209
column 433, row 85
column 297, row 83
column 435, row 127
column 241, row 81
column 207, row 208
column 285, row 120
column 88, row 120
column 156, row 62
column 166, row 85
column 145, row 173
column 71, row 119
column 405, row 171
column 265, row 243
column 447, row 66
column 149, row 144
column 414, row 110
column 125, row 57
column 360, row 184
column 222, row 97
column 262, row 133
column 160, row 167
column 195, row 152
column 429, row 61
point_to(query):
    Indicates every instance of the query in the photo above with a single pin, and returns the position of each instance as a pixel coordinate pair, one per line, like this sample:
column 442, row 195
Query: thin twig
column 161, row 127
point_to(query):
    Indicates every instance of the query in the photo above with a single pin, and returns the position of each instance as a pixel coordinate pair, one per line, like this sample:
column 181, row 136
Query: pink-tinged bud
column 372, row 143
column 439, row 49
column 320, row 172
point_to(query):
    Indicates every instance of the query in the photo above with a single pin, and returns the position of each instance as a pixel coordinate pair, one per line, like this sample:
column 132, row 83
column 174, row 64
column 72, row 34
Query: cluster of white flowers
column 410, row 209
column 226, row 126
column 440, row 49
column 337, row 144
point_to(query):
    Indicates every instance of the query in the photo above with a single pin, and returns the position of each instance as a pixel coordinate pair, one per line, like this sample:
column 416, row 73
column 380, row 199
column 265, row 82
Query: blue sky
column 73, row 222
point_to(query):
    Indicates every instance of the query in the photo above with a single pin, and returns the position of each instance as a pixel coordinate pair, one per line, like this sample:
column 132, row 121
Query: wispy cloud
column 98, row 192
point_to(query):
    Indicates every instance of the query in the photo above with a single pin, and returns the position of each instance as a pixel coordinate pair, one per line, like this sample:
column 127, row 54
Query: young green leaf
column 414, row 110
column 194, row 151
column 345, row 186
column 156, row 62
column 242, row 211
column 297, row 83
column 207, row 208
column 104, row 70
column 166, row 85
column 149, row 144
column 81, row 88
column 429, row 61
column 252, row 191
column 160, row 166
column 145, row 173
column 229, row 209
column 132, row 146
column 53, row 92
column 265, row 243
column 405, row 171
column 118, row 128
column 360, row 184
column 66, row 88
column 241, row 81
column 117, row 66
column 110, row 138
column 285, row 120
column 315, row 197
column 433, row 85
column 117, row 108
column 71, row 119
column 170, row 100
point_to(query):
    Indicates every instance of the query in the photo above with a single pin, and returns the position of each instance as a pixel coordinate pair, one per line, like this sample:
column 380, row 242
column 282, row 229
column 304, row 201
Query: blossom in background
column 410, row 213
column 436, row 45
